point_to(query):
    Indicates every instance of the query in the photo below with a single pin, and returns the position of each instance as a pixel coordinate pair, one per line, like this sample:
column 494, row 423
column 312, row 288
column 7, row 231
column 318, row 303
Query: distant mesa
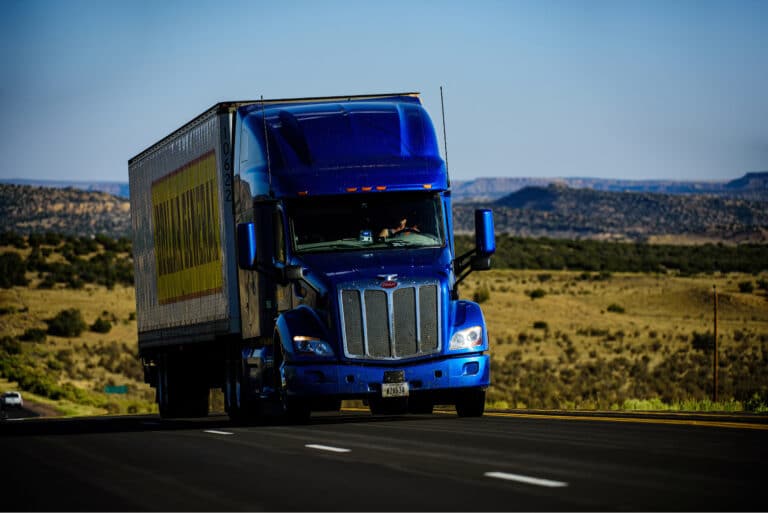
column 115, row 188
column 757, row 181
column 566, row 208
column 753, row 185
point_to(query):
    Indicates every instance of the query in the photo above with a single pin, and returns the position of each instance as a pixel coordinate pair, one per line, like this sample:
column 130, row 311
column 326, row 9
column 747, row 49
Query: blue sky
column 617, row 89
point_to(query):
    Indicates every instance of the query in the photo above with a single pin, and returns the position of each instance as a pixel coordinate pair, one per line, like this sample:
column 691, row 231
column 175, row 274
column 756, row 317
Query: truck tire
column 239, row 405
column 471, row 403
column 179, row 394
column 295, row 410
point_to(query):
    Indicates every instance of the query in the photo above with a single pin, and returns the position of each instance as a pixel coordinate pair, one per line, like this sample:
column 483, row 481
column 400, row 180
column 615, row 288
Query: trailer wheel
column 179, row 393
column 471, row 403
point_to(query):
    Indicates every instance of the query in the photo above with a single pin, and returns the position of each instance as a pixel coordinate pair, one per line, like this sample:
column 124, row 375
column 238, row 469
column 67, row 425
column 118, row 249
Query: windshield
column 366, row 221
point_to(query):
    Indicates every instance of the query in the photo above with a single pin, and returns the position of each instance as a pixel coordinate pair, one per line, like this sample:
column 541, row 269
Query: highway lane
column 356, row 462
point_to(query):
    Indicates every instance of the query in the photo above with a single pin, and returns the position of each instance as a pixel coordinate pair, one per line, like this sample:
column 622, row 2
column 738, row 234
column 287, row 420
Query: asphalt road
column 353, row 461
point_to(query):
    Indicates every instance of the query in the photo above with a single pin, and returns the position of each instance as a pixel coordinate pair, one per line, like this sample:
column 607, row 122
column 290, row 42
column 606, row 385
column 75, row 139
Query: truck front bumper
column 355, row 380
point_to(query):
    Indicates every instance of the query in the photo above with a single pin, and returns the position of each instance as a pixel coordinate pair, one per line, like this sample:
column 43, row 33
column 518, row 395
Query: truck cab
column 347, row 271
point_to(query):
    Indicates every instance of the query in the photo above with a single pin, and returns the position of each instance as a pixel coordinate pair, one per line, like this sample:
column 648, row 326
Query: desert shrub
column 544, row 277
column 33, row 335
column 703, row 341
column 481, row 294
column 746, row 287
column 615, row 308
column 537, row 293
column 12, row 239
column 67, row 323
column 12, row 269
column 101, row 325
column 9, row 346
column 48, row 283
column 540, row 325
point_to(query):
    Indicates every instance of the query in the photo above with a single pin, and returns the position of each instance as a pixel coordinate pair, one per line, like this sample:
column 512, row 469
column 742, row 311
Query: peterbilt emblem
column 389, row 281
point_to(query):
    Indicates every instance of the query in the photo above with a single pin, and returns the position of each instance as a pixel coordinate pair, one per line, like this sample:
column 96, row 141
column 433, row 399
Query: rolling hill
column 557, row 211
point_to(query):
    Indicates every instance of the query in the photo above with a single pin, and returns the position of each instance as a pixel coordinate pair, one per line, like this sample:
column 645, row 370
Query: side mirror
column 293, row 272
column 246, row 245
column 485, row 240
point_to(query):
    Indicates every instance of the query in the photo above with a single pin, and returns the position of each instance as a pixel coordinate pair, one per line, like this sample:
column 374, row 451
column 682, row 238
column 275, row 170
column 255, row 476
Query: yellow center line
column 630, row 420
column 678, row 422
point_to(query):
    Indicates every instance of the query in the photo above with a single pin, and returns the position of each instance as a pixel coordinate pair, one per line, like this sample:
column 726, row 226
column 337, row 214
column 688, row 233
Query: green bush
column 9, row 346
column 481, row 295
column 101, row 325
column 746, row 287
column 613, row 307
column 7, row 310
column 67, row 323
column 12, row 269
column 703, row 341
column 33, row 335
column 537, row 293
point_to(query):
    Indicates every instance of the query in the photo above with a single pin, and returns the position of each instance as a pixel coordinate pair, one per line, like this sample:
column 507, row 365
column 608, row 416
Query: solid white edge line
column 526, row 479
column 214, row 432
column 326, row 448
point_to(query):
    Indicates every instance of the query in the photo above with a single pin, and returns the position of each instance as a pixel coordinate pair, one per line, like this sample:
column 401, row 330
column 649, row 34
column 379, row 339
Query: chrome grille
column 381, row 324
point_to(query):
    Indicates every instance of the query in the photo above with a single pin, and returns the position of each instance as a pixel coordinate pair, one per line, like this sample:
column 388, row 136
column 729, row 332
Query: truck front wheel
column 471, row 403
column 295, row 410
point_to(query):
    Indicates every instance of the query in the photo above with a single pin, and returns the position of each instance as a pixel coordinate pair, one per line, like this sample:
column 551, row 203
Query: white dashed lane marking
column 526, row 479
column 214, row 432
column 326, row 448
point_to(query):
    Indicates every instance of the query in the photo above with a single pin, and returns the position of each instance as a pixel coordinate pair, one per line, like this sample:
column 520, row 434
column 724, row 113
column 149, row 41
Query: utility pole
column 714, row 358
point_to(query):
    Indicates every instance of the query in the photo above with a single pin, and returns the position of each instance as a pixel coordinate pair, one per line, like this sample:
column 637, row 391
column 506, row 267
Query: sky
column 647, row 89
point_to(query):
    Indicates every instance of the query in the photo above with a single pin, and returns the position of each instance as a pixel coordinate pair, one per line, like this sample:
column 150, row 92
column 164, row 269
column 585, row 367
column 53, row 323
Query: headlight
column 312, row 345
column 467, row 339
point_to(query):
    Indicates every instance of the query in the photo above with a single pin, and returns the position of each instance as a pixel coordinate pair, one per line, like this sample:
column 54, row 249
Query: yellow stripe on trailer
column 187, row 238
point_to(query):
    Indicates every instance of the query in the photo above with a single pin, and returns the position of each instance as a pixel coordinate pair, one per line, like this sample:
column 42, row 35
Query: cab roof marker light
column 303, row 193
column 367, row 189
column 351, row 189
column 381, row 187
column 427, row 185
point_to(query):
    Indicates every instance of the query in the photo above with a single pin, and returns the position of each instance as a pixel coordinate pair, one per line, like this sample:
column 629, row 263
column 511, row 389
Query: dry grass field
column 624, row 336
column 90, row 363
column 558, row 340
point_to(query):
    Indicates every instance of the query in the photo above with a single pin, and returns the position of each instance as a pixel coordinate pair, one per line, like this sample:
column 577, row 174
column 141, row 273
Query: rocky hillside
column 752, row 186
column 554, row 211
column 27, row 209
column 560, row 212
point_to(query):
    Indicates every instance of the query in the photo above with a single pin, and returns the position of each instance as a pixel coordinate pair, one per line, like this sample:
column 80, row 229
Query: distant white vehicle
column 11, row 400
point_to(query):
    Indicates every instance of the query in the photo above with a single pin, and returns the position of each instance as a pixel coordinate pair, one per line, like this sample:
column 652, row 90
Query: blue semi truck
column 294, row 253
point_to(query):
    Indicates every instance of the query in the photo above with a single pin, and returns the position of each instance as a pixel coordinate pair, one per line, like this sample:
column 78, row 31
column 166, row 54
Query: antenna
column 445, row 138
column 266, row 143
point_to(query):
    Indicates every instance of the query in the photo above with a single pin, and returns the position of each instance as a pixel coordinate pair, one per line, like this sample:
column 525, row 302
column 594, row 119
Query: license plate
column 394, row 389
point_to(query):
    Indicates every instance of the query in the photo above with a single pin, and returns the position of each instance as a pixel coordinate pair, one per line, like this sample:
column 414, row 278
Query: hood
column 335, row 268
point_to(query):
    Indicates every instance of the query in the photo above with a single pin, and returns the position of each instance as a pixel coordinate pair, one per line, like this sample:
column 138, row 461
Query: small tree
column 33, row 335
column 67, row 323
column 101, row 325
column 746, row 287
column 12, row 269
column 481, row 295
